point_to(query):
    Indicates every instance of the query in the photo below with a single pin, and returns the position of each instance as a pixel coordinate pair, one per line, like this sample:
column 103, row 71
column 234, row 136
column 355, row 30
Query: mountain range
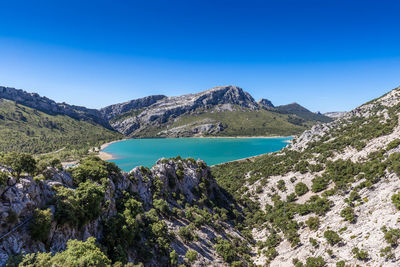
column 219, row 111
column 331, row 198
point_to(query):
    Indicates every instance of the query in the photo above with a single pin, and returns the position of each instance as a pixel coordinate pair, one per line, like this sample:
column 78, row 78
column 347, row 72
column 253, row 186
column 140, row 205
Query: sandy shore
column 104, row 155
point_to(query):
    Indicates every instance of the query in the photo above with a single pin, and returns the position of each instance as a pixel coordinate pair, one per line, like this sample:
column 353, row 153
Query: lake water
column 136, row 152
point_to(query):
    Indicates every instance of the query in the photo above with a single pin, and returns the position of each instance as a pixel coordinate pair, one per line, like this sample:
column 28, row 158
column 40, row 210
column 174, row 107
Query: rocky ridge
column 168, row 110
column 186, row 178
column 349, row 166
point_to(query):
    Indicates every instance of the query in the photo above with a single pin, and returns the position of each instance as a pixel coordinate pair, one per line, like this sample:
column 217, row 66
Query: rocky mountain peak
column 227, row 95
column 111, row 111
column 265, row 103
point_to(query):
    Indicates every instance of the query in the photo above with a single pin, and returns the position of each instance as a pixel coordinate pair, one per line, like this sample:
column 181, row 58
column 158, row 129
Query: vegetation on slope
column 28, row 130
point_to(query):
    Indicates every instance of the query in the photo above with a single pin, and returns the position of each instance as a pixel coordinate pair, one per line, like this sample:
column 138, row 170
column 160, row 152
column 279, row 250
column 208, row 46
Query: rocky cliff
column 167, row 116
column 140, row 216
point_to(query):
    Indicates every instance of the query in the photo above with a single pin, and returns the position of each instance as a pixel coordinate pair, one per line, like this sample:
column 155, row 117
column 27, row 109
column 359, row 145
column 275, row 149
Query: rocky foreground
column 332, row 197
column 140, row 216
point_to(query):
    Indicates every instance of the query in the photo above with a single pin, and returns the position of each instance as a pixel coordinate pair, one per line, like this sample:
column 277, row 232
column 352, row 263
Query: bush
column 270, row 253
column 186, row 234
column 78, row 253
column 78, row 206
column 173, row 256
column 315, row 262
column 396, row 200
column 41, row 224
column 3, row 178
column 20, row 162
column 319, row 184
column 191, row 255
column 387, row 253
column 348, row 214
column 392, row 236
column 360, row 254
column 281, row 185
column 301, row 189
column 332, row 237
column 226, row 250
column 313, row 223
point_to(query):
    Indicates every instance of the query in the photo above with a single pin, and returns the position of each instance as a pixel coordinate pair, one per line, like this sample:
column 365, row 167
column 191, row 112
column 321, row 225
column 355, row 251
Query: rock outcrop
column 112, row 111
column 180, row 180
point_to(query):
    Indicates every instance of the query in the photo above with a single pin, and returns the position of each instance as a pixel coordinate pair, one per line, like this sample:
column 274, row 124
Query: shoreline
column 104, row 155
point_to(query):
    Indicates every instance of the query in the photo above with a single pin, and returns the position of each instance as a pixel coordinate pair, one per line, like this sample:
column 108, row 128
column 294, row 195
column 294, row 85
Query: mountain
column 27, row 129
column 223, row 110
column 35, row 101
column 332, row 197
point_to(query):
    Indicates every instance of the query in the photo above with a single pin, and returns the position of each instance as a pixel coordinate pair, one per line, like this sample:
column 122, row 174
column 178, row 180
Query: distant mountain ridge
column 219, row 111
column 164, row 114
column 34, row 100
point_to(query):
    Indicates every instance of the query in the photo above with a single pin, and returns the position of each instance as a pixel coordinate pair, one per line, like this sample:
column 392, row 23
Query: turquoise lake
column 136, row 152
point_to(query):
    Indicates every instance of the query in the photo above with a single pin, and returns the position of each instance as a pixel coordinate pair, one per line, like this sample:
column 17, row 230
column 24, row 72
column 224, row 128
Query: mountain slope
column 35, row 101
column 332, row 197
column 26, row 129
column 224, row 110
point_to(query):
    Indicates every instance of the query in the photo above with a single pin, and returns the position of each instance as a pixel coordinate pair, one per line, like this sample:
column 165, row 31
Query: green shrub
column 191, row 255
column 319, row 184
column 348, row 214
column 173, row 257
column 340, row 264
column 387, row 253
column 186, row 234
column 270, row 253
column 226, row 250
column 392, row 236
column 360, row 254
column 301, row 189
column 3, row 178
column 80, row 205
column 41, row 224
column 396, row 200
column 281, row 185
column 313, row 223
column 78, row 253
column 20, row 162
column 332, row 237
column 315, row 262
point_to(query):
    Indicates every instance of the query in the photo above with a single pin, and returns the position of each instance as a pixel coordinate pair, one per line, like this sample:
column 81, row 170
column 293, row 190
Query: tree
column 173, row 256
column 301, row 189
column 332, row 237
column 78, row 253
column 20, row 162
column 191, row 255
column 41, row 224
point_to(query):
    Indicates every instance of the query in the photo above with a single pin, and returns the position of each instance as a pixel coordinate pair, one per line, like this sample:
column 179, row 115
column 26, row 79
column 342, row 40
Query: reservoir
column 131, row 153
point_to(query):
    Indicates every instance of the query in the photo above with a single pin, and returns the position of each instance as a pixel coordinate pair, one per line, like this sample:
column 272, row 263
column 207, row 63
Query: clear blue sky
column 326, row 55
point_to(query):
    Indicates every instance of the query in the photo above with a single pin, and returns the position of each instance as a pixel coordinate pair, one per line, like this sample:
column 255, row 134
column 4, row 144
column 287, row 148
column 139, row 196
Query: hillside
column 331, row 198
column 219, row 111
column 29, row 130
column 174, row 213
column 46, row 105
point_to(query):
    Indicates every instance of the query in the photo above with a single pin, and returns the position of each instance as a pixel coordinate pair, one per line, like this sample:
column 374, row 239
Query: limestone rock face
column 168, row 108
column 20, row 199
column 110, row 112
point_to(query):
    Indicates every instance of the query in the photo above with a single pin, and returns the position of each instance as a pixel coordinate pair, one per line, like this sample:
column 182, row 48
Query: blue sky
column 326, row 55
